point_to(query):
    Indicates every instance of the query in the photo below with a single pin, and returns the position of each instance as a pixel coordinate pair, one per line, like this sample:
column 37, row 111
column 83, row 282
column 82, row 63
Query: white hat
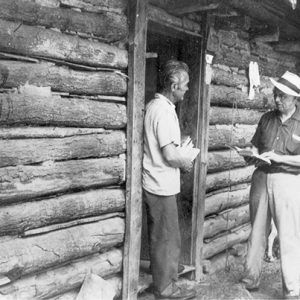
column 289, row 83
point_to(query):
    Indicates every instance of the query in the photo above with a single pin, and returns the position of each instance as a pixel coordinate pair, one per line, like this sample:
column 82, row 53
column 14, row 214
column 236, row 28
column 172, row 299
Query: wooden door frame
column 137, row 16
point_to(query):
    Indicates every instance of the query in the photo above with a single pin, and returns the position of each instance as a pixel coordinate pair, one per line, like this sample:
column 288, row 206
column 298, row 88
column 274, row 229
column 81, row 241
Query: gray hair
column 171, row 72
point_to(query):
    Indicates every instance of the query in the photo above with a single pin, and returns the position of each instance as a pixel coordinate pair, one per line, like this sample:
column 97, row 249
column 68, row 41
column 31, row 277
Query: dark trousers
column 164, row 238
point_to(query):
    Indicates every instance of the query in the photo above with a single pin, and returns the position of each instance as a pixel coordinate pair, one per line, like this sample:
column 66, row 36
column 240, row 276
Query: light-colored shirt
column 161, row 128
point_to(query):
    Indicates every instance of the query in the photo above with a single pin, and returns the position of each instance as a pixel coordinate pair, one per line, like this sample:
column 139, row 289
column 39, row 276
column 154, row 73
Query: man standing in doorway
column 161, row 180
column 275, row 188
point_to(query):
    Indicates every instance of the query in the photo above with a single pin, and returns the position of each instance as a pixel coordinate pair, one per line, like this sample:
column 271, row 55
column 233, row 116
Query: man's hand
column 271, row 155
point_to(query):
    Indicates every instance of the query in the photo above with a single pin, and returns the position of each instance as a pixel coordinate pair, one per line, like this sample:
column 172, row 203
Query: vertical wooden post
column 201, row 162
column 135, row 108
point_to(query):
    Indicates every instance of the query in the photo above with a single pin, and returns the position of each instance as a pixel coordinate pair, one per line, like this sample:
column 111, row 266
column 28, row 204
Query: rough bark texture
column 27, row 182
column 162, row 17
column 35, row 41
column 33, row 254
column 61, row 79
column 224, row 160
column 107, row 26
column 226, row 115
column 222, row 135
column 32, row 109
column 29, row 151
column 227, row 178
column 62, row 279
column 226, row 221
column 229, row 96
column 15, row 219
column 226, row 241
column 225, row 200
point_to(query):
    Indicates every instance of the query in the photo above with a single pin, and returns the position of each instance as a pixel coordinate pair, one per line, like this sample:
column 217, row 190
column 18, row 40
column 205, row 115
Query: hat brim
column 284, row 88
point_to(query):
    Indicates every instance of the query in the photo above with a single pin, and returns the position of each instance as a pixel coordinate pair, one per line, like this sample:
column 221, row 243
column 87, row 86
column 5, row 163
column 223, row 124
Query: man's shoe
column 177, row 293
column 291, row 296
column 250, row 284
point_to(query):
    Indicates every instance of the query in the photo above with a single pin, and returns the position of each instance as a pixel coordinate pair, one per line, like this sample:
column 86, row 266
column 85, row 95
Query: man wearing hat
column 275, row 187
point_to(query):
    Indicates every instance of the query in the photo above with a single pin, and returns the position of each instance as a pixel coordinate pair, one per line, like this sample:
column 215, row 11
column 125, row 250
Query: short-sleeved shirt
column 161, row 128
column 282, row 138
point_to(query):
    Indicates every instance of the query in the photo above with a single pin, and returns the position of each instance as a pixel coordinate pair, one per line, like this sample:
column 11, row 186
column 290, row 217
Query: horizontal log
column 28, row 182
column 33, row 109
column 16, row 218
column 228, row 78
column 271, row 62
column 36, row 41
column 117, row 6
column 225, row 200
column 45, row 132
column 31, row 151
column 61, row 79
column 109, row 26
column 37, row 253
column 222, row 95
column 226, row 220
column 59, row 280
column 224, row 160
column 226, row 115
column 226, row 178
column 226, row 241
column 288, row 47
column 222, row 135
column 59, row 226
column 160, row 16
column 216, row 181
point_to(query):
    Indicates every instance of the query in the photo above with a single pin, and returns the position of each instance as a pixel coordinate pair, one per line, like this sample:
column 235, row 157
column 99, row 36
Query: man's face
column 181, row 87
column 284, row 103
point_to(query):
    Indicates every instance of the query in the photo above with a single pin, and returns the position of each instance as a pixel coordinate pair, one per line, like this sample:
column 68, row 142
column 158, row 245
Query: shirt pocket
column 293, row 143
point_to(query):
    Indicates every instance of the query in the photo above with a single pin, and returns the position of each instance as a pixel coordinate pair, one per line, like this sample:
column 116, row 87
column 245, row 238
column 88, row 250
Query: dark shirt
column 273, row 135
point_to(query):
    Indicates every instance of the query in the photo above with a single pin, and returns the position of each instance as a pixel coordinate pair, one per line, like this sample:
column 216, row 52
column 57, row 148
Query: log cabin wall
column 62, row 145
column 233, row 120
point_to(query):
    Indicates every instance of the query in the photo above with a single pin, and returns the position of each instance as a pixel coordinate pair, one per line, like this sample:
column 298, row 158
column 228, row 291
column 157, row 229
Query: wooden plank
column 32, row 108
column 61, row 79
column 110, row 27
column 32, row 151
column 200, row 167
column 25, row 216
column 28, row 182
column 31, row 41
column 56, row 281
column 225, row 200
column 135, row 107
column 33, row 254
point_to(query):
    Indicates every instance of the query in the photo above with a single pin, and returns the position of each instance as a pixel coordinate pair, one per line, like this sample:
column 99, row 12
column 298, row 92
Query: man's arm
column 175, row 158
column 292, row 160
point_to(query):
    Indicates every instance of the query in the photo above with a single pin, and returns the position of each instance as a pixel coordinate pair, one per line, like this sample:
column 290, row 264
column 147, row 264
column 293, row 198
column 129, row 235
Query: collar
column 162, row 97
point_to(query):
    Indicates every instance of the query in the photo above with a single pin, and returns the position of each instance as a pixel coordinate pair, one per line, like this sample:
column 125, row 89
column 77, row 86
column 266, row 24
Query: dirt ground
column 225, row 284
